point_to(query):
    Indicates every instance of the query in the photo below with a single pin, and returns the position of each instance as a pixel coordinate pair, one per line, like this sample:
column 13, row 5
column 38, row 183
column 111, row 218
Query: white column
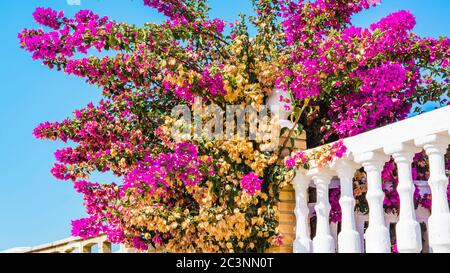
column 377, row 234
column 439, row 221
column 408, row 233
column 323, row 242
column 349, row 238
column 302, row 243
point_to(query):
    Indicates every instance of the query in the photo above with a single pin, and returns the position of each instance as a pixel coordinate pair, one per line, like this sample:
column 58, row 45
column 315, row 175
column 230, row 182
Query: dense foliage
column 208, row 194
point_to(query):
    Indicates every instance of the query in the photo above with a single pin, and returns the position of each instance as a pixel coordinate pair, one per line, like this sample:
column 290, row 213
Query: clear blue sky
column 34, row 207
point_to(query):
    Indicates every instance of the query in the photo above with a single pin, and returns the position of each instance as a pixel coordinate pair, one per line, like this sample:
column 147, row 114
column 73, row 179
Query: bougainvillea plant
column 207, row 194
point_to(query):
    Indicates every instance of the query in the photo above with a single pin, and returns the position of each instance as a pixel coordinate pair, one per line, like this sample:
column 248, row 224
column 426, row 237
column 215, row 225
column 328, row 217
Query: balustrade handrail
column 54, row 245
column 429, row 123
column 434, row 122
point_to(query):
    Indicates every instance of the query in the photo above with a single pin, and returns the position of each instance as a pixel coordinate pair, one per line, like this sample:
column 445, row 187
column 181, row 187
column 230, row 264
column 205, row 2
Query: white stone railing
column 69, row 245
column 372, row 150
column 76, row 245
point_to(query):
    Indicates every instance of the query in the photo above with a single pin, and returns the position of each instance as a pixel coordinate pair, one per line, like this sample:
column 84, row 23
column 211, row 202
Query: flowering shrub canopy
column 207, row 194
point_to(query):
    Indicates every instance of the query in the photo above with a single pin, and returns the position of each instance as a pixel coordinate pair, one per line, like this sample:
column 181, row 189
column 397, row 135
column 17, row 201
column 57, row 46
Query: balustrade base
column 324, row 244
column 303, row 246
column 439, row 233
column 378, row 240
column 349, row 242
column 409, row 237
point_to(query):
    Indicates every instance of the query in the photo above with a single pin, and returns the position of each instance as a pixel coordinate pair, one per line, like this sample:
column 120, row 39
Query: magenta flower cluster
column 95, row 142
column 374, row 88
column 339, row 149
column 251, row 183
column 335, row 212
column 69, row 36
column 171, row 8
column 180, row 14
column 98, row 201
column 139, row 243
column 157, row 174
column 48, row 17
column 87, row 227
column 299, row 159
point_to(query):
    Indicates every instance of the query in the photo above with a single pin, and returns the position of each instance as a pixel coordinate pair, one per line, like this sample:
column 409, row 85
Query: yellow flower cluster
column 239, row 85
column 242, row 151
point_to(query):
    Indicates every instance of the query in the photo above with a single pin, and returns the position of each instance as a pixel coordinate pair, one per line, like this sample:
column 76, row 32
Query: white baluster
column 302, row 243
column 439, row 222
column 408, row 233
column 323, row 242
column 349, row 238
column 377, row 234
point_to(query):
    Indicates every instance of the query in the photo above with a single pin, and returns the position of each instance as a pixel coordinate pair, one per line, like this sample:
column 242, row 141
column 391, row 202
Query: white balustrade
column 371, row 150
column 69, row 245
